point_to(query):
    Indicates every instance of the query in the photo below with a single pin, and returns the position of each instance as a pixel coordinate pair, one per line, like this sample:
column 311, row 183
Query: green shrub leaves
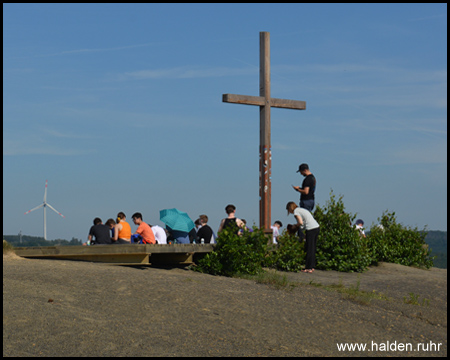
column 394, row 243
column 339, row 247
column 236, row 254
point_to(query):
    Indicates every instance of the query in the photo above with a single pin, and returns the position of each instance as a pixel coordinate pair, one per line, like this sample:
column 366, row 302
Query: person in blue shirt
column 181, row 237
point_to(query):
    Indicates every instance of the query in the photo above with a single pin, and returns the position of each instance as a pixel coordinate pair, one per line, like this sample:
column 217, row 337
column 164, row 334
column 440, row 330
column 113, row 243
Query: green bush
column 339, row 246
column 394, row 243
column 236, row 254
column 288, row 255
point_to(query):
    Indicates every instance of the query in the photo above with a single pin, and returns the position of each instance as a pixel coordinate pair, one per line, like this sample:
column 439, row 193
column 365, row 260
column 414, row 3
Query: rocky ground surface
column 70, row 308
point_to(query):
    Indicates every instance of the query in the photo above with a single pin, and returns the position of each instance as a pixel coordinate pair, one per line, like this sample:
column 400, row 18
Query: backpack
column 136, row 238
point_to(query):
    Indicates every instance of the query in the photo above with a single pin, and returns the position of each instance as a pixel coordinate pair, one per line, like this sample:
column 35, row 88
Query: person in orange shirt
column 143, row 229
column 122, row 230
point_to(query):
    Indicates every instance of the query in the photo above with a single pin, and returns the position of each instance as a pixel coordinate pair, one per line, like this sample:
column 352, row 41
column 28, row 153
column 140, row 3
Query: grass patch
column 7, row 247
column 414, row 300
column 362, row 297
column 272, row 279
column 352, row 293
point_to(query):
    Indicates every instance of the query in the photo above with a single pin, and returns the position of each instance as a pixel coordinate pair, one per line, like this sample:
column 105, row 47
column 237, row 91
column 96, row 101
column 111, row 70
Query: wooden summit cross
column 265, row 102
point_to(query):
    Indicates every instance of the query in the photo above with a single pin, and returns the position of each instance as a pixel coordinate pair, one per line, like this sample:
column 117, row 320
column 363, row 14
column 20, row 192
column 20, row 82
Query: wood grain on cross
column 265, row 102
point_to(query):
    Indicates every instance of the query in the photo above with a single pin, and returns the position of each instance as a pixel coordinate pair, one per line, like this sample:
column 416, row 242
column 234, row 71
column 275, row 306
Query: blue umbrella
column 176, row 219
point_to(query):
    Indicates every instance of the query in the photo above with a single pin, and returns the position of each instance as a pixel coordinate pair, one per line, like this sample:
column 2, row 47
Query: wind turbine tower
column 44, row 205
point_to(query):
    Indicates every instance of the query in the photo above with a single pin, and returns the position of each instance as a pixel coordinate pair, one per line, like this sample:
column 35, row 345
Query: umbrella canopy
column 176, row 220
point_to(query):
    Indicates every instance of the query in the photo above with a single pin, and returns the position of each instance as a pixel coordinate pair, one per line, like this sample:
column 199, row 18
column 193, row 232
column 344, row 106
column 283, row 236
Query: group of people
column 119, row 231
column 302, row 213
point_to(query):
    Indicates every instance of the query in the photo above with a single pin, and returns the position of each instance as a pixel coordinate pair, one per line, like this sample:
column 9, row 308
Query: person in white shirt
column 306, row 221
column 359, row 225
column 276, row 230
column 160, row 234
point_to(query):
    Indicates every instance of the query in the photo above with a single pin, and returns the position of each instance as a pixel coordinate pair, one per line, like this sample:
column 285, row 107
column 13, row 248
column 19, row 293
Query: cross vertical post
column 265, row 150
column 265, row 102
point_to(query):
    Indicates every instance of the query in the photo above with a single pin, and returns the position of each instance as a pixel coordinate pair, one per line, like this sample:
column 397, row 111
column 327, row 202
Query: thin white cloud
column 361, row 85
column 67, row 135
column 96, row 50
column 187, row 72
column 43, row 142
column 435, row 128
column 83, row 51
column 15, row 148
column 432, row 17
column 376, row 71
column 435, row 153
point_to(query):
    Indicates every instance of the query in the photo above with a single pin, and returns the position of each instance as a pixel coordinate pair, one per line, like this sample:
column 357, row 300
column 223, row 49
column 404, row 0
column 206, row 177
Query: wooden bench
column 144, row 254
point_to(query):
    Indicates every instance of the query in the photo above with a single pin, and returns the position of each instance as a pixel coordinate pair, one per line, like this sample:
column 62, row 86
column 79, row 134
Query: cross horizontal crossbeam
column 262, row 101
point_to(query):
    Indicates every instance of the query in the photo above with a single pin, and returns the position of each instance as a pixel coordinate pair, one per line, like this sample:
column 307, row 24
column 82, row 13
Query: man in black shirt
column 308, row 188
column 100, row 232
column 205, row 233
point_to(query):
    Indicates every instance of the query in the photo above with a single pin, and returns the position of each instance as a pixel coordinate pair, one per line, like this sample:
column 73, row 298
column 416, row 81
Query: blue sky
column 120, row 107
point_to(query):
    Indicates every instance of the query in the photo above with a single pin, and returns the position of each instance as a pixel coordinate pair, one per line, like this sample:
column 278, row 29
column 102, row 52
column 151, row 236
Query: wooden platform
column 179, row 254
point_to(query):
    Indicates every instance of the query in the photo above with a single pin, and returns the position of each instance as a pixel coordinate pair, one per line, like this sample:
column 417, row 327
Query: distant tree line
column 27, row 241
column 437, row 241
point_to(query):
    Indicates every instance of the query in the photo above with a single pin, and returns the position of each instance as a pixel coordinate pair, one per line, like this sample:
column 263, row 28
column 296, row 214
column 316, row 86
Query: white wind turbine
column 45, row 204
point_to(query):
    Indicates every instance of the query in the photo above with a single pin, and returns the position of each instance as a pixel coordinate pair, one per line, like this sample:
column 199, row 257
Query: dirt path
column 69, row 308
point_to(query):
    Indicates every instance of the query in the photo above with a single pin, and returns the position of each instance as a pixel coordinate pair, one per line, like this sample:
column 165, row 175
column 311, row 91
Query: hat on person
column 303, row 167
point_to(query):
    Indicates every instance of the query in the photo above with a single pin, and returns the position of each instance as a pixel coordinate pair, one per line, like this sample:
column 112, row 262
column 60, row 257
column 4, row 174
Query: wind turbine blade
column 45, row 192
column 37, row 207
column 56, row 211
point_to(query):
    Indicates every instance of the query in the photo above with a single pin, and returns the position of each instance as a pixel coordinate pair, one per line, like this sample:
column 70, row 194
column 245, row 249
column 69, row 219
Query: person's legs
column 314, row 235
column 307, row 204
column 310, row 247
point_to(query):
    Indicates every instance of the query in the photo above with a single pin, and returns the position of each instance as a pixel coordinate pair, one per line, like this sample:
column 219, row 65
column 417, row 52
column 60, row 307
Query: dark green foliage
column 437, row 241
column 236, row 254
column 340, row 246
column 247, row 253
column 440, row 261
column 288, row 255
column 398, row 244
